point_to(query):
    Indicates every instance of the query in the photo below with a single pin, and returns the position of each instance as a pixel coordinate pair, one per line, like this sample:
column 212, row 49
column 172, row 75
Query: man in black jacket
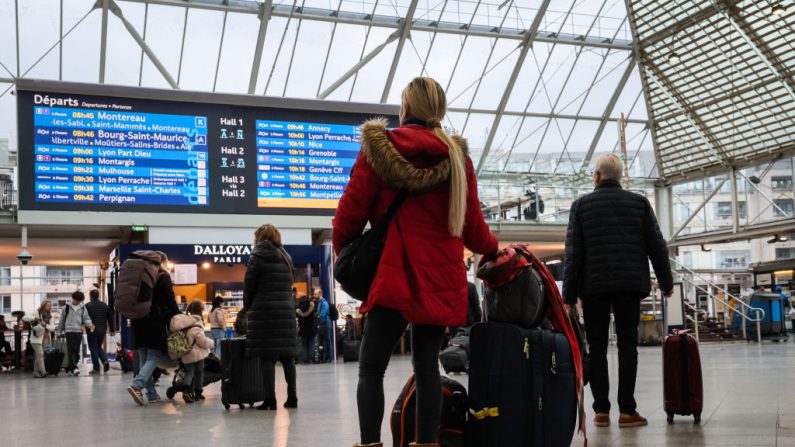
column 611, row 237
column 102, row 317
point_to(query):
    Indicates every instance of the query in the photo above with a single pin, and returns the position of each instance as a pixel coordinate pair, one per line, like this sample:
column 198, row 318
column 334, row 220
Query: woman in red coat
column 422, row 277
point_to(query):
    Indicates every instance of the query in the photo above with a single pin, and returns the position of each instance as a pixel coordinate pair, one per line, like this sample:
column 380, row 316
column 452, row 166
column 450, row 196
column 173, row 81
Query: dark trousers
column 307, row 347
column 626, row 310
column 325, row 337
column 269, row 375
column 381, row 336
column 194, row 375
column 98, row 355
column 74, row 340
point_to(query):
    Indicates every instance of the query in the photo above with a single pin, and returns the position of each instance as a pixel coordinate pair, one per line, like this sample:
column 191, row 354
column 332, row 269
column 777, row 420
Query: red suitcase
column 682, row 384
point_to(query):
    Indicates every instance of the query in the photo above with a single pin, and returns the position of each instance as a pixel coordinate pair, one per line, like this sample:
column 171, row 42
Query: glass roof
column 537, row 86
column 718, row 80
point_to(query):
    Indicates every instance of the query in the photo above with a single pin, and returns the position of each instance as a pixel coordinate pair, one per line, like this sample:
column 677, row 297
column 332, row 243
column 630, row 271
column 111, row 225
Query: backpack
column 333, row 312
column 178, row 345
column 451, row 423
column 135, row 284
column 515, row 291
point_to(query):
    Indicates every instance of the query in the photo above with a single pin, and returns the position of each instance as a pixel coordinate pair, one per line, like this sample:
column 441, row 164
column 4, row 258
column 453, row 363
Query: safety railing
column 696, row 312
column 744, row 310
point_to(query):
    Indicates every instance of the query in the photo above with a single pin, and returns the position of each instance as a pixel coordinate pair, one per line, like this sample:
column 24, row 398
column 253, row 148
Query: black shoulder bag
column 357, row 264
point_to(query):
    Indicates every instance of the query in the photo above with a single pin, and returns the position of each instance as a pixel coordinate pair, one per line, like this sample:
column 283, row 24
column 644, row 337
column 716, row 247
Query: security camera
column 24, row 257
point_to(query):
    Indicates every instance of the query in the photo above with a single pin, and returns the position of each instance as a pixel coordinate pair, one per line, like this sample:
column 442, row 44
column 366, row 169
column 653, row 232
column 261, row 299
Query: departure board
column 104, row 153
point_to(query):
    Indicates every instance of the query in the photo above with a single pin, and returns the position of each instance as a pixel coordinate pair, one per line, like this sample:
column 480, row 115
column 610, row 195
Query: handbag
column 357, row 264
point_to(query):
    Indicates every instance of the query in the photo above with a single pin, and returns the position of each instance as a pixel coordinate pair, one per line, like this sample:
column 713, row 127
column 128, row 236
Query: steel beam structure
column 116, row 10
column 526, row 46
column 644, row 81
column 264, row 17
column 693, row 214
column 730, row 13
column 431, row 26
column 703, row 131
column 353, row 70
column 611, row 104
column 103, row 43
column 405, row 29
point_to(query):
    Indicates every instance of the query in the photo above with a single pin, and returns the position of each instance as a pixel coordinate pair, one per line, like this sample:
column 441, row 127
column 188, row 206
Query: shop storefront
column 203, row 271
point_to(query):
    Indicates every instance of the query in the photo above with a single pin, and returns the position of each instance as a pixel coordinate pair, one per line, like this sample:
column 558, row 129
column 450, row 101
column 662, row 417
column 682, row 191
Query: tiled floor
column 749, row 395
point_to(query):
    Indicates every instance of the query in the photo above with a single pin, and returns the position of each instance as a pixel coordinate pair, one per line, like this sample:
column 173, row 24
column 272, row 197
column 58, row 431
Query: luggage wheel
column 170, row 392
column 251, row 405
column 697, row 418
column 242, row 406
column 226, row 406
column 670, row 418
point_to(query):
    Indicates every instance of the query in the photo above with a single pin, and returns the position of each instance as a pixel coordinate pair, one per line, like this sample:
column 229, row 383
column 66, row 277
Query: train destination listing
column 303, row 165
column 85, row 155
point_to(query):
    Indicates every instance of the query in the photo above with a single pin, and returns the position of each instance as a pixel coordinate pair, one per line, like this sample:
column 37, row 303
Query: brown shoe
column 602, row 420
column 631, row 420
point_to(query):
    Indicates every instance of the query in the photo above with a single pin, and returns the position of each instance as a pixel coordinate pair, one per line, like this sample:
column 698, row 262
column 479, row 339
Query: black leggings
column 381, row 336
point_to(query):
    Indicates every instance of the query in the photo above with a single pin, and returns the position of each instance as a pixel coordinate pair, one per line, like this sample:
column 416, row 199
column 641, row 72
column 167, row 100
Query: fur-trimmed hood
column 398, row 172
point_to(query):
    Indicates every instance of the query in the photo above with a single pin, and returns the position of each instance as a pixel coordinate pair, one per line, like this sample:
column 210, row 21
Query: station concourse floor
column 749, row 401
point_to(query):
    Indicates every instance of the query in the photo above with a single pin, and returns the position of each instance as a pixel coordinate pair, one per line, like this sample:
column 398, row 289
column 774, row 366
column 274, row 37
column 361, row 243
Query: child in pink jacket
column 193, row 362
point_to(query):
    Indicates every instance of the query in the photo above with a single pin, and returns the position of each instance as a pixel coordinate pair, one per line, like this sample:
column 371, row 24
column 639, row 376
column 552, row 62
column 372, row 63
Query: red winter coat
column 418, row 240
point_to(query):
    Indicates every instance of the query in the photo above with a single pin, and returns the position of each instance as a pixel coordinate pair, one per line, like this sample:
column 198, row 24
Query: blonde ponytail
column 426, row 101
column 458, row 184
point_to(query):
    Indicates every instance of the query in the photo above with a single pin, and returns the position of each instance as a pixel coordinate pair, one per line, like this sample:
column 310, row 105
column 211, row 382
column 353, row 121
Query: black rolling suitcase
column 53, row 358
column 241, row 381
column 452, row 422
column 350, row 350
column 522, row 388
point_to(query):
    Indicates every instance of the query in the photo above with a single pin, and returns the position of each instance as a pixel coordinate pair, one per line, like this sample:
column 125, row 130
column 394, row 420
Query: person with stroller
column 269, row 307
column 41, row 328
column 193, row 362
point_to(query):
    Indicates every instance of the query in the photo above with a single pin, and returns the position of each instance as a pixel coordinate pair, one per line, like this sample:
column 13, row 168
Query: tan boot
column 374, row 444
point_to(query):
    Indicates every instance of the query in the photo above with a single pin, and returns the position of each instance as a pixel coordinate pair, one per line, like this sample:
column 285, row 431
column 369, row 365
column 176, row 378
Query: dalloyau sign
column 224, row 254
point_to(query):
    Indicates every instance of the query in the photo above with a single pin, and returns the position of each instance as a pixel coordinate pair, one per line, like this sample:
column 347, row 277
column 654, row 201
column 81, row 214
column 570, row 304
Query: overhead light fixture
column 205, row 265
column 778, row 9
column 777, row 238
column 169, row 265
column 704, row 248
column 673, row 58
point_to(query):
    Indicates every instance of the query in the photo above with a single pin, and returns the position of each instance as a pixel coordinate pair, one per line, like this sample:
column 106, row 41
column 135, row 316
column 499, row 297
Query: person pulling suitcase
column 611, row 237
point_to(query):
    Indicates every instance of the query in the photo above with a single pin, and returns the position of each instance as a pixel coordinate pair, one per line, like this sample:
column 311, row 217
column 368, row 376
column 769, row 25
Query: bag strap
column 393, row 207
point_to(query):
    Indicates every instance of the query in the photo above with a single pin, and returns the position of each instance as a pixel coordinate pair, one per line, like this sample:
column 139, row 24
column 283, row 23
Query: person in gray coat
column 73, row 318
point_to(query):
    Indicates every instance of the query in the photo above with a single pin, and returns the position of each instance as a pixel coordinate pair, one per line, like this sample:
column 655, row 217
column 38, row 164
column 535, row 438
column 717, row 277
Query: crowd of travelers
column 421, row 281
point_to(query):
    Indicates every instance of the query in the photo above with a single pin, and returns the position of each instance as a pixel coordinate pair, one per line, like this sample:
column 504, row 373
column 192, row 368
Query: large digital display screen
column 127, row 154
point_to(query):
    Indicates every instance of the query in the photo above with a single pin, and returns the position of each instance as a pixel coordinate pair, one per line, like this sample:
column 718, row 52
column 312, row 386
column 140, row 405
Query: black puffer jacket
column 612, row 235
column 152, row 331
column 270, row 307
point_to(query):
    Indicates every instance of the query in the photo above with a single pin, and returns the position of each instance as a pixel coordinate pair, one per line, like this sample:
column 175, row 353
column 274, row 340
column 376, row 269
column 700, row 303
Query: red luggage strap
column 504, row 267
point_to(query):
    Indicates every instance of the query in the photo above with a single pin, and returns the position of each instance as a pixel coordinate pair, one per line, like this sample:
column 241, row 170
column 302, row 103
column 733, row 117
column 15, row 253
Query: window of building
column 783, row 208
column 688, row 259
column 723, row 210
column 5, row 304
column 682, row 212
column 785, row 253
column 5, row 276
column 780, row 182
column 734, row 259
column 64, row 275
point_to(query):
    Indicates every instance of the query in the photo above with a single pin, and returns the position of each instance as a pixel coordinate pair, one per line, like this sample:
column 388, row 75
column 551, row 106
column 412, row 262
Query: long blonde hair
column 427, row 102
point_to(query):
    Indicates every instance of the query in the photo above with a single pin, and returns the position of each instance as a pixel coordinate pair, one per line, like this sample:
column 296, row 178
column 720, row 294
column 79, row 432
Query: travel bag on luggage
column 350, row 350
column 522, row 387
column 455, row 358
column 60, row 344
column 53, row 359
column 242, row 376
column 682, row 383
column 451, row 424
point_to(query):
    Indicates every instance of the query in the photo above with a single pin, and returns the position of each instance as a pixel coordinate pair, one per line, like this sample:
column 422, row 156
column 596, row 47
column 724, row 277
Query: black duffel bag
column 521, row 301
column 357, row 264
